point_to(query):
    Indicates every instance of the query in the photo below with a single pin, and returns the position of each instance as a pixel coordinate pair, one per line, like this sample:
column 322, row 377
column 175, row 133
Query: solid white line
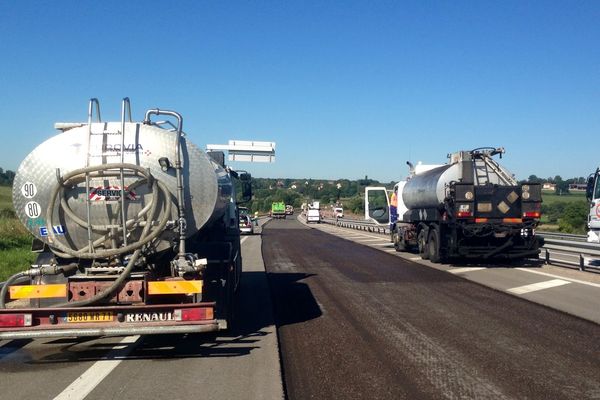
column 464, row 269
column 559, row 277
column 538, row 286
column 91, row 378
column 415, row 258
column 243, row 239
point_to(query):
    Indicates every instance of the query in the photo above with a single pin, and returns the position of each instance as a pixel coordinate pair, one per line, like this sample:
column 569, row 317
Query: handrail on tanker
column 179, row 175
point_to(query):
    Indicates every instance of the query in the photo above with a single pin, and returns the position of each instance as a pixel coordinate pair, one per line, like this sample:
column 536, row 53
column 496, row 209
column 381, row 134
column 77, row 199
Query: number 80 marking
column 32, row 209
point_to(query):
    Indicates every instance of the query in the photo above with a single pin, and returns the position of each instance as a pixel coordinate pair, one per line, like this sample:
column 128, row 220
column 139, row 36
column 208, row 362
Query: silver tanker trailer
column 136, row 230
column 471, row 207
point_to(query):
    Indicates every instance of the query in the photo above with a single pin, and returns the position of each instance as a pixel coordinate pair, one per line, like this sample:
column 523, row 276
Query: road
column 241, row 365
column 356, row 322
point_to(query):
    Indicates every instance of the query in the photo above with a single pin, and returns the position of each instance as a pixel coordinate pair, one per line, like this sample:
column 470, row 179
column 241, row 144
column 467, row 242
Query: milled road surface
column 357, row 323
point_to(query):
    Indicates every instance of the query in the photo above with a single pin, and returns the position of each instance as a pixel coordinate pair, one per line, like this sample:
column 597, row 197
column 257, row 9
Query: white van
column 313, row 215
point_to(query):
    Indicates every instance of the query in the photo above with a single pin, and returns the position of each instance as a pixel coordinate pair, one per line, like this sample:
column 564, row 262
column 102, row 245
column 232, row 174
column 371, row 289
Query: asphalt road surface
column 357, row 323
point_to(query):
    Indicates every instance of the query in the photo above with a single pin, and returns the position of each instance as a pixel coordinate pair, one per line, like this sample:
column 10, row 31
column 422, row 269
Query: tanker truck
column 593, row 196
column 135, row 229
column 471, row 207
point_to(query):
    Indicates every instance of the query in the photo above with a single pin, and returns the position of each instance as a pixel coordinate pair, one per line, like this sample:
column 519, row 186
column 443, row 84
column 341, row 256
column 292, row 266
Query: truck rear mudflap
column 22, row 323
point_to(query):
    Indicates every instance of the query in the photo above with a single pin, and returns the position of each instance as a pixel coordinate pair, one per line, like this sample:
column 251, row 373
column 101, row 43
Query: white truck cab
column 593, row 196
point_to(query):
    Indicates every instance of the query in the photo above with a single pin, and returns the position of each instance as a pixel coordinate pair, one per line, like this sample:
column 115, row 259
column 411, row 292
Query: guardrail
column 367, row 226
column 560, row 249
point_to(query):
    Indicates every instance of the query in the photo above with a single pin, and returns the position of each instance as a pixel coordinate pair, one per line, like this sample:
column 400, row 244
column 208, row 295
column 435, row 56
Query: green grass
column 15, row 240
column 6, row 198
column 551, row 197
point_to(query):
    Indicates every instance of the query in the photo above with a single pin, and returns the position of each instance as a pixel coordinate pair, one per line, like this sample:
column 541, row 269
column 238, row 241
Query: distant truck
column 278, row 209
column 470, row 207
column 313, row 214
column 338, row 212
column 289, row 209
column 593, row 196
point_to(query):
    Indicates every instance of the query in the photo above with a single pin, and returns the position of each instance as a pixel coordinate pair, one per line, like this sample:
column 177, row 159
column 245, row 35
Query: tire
column 399, row 243
column 433, row 247
column 422, row 243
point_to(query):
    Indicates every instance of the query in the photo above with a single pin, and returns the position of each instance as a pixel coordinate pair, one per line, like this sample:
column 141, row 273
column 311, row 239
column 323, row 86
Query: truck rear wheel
column 433, row 247
column 422, row 243
column 399, row 243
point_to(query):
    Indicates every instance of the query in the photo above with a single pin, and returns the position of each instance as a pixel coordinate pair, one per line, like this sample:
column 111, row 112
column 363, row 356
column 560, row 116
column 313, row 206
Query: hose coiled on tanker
column 145, row 237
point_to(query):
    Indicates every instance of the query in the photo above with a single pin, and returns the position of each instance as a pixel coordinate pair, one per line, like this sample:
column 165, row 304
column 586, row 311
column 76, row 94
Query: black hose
column 147, row 235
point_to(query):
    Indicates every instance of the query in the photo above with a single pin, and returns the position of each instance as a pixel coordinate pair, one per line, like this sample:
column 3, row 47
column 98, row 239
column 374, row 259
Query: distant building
column 549, row 186
column 581, row 187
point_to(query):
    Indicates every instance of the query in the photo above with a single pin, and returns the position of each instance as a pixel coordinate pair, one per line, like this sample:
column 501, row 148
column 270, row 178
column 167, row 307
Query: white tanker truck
column 469, row 208
column 136, row 229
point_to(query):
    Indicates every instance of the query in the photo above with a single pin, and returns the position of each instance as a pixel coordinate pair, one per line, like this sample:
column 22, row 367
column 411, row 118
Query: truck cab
column 593, row 196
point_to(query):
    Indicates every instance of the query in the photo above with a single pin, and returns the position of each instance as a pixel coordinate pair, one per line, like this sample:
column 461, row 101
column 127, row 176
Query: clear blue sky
column 345, row 89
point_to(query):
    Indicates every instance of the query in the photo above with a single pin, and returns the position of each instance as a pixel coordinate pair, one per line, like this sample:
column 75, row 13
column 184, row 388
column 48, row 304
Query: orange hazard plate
column 92, row 316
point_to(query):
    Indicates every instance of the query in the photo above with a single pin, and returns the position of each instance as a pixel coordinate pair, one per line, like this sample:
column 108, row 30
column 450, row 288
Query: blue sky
column 345, row 89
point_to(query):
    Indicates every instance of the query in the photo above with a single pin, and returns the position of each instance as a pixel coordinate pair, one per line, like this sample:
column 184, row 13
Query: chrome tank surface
column 428, row 189
column 207, row 186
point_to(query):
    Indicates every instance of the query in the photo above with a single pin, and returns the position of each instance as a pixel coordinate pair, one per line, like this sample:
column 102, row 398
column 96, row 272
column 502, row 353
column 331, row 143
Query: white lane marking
column 243, row 239
column 538, row 286
column 415, row 258
column 464, row 269
column 91, row 378
column 390, row 250
column 371, row 240
column 559, row 277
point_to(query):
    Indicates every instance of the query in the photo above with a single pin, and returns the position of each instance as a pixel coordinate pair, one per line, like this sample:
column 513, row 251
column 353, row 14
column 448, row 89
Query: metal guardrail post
column 581, row 262
column 547, row 256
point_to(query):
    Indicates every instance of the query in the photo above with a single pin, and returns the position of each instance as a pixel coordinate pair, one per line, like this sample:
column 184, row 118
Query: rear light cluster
column 464, row 211
column 15, row 320
column 193, row 314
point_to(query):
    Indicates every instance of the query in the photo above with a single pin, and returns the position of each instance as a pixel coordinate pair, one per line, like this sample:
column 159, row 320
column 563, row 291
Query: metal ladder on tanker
column 125, row 108
column 483, row 165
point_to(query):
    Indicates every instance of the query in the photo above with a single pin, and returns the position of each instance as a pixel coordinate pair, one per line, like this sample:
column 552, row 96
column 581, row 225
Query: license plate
column 93, row 316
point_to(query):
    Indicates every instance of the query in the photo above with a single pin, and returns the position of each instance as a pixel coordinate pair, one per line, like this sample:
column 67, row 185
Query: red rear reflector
column 480, row 220
column 14, row 320
column 194, row 314
column 531, row 214
column 465, row 214
column 512, row 220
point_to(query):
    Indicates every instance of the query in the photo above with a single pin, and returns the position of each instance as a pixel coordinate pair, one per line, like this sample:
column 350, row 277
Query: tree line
column 6, row 177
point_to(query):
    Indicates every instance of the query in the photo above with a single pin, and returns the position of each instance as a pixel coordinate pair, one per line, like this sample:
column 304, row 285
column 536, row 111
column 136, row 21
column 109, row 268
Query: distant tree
column 6, row 177
column 562, row 187
column 534, row 179
column 574, row 218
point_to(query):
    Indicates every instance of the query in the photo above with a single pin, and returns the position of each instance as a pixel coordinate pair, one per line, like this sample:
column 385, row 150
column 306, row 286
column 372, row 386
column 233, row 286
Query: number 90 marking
column 28, row 190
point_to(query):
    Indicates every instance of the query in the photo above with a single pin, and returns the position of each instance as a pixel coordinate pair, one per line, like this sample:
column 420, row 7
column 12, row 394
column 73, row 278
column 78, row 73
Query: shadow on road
column 293, row 300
